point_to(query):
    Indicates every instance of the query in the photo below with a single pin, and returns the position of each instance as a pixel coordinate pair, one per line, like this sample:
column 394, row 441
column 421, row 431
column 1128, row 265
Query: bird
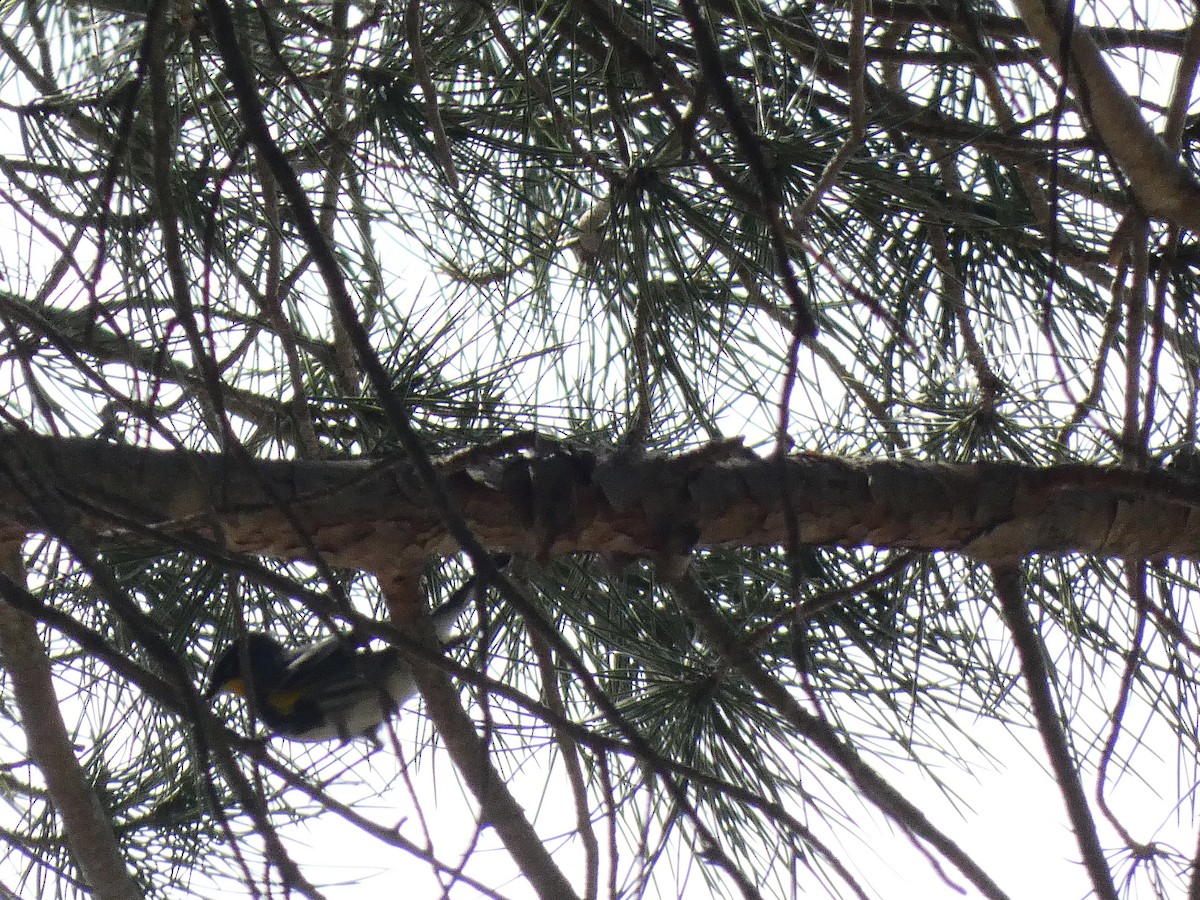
column 328, row 689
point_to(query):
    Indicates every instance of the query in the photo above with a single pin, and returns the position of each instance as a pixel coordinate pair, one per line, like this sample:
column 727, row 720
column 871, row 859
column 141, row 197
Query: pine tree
column 828, row 370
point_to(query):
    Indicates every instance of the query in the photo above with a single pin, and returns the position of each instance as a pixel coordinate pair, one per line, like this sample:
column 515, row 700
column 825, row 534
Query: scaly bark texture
column 371, row 514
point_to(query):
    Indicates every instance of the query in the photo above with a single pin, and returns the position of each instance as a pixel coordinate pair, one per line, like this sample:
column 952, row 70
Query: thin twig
column 1135, row 295
column 1084, row 405
column 570, row 757
column 771, row 197
column 953, row 293
column 1135, row 582
column 433, row 113
column 153, row 64
column 1031, row 652
column 858, row 119
column 271, row 303
column 345, row 372
column 299, row 781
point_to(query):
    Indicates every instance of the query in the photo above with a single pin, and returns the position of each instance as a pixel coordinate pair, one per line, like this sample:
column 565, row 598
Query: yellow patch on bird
column 235, row 686
column 284, row 701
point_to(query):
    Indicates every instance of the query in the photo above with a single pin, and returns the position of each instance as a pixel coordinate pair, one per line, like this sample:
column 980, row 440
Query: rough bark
column 86, row 825
column 1159, row 180
column 553, row 499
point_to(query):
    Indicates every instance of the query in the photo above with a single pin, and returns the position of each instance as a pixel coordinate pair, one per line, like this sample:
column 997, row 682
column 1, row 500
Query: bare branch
column 88, row 828
column 1161, row 184
column 1031, row 651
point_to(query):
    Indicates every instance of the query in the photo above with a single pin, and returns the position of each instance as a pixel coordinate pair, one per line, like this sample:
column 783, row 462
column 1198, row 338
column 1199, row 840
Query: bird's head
column 261, row 652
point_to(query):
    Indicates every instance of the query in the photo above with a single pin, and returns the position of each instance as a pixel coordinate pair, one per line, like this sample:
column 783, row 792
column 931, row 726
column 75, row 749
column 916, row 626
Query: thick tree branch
column 88, row 828
column 1161, row 184
column 374, row 515
column 1165, row 40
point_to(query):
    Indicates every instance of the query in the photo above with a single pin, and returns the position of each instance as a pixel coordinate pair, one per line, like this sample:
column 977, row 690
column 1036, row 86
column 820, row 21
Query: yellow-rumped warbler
column 327, row 689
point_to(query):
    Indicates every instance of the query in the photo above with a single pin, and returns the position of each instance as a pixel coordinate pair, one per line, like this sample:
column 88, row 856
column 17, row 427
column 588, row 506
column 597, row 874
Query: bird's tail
column 447, row 614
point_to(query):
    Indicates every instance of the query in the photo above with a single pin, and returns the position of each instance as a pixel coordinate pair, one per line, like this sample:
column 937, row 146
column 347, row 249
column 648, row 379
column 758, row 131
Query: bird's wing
column 315, row 665
column 336, row 676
